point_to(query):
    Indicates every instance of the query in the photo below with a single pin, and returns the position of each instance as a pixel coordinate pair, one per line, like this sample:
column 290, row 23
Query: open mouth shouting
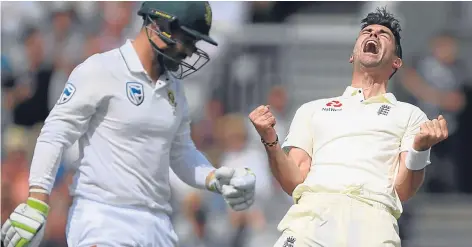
column 371, row 46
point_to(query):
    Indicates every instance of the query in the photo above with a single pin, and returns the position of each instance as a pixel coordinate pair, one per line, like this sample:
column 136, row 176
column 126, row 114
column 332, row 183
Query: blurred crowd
column 41, row 42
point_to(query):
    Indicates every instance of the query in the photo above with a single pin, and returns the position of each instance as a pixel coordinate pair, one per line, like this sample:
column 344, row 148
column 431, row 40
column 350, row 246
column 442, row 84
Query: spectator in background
column 63, row 45
column 436, row 81
column 277, row 100
column 7, row 80
column 238, row 153
column 15, row 171
column 63, row 39
column 204, row 126
column 116, row 18
column 27, row 95
column 196, row 213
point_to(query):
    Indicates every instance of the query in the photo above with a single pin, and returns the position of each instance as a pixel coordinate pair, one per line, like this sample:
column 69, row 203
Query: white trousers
column 337, row 220
column 92, row 223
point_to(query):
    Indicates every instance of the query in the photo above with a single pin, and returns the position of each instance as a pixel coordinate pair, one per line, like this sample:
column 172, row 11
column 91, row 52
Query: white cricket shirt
column 129, row 131
column 355, row 144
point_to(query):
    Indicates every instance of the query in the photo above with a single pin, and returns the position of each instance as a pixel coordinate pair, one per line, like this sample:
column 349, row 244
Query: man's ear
column 351, row 59
column 397, row 63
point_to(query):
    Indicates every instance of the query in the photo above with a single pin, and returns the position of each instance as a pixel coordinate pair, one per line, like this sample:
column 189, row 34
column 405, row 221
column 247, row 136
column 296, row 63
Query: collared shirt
column 129, row 131
column 355, row 143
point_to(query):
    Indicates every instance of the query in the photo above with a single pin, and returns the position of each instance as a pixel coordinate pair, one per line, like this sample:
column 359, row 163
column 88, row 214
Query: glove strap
column 38, row 205
column 211, row 182
column 270, row 144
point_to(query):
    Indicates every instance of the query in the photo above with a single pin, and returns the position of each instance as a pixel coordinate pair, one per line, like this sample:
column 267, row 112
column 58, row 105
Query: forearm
column 284, row 169
column 408, row 182
column 193, row 168
column 44, row 166
column 411, row 173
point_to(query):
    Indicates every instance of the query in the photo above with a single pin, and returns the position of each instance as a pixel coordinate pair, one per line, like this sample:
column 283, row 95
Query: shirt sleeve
column 188, row 163
column 417, row 117
column 300, row 134
column 66, row 122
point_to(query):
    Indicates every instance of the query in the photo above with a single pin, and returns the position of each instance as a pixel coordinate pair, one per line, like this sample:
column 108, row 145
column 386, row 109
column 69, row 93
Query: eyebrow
column 386, row 32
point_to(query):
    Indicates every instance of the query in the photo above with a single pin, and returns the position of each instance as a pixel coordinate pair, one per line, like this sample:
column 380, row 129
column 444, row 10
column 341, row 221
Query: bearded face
column 375, row 47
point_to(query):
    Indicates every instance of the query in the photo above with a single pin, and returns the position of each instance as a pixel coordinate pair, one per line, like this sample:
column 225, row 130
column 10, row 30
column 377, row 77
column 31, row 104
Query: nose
column 373, row 34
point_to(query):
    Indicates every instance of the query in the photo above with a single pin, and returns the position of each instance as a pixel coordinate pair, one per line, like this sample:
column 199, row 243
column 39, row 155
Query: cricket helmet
column 194, row 19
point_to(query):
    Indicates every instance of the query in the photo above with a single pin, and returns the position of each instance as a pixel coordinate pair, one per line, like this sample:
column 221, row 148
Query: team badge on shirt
column 383, row 110
column 171, row 96
column 67, row 94
column 135, row 92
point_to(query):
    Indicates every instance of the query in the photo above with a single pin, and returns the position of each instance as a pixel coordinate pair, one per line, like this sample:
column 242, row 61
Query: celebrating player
column 128, row 111
column 350, row 161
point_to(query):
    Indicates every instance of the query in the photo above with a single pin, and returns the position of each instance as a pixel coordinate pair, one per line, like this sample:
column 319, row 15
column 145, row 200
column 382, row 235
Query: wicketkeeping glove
column 237, row 186
column 26, row 224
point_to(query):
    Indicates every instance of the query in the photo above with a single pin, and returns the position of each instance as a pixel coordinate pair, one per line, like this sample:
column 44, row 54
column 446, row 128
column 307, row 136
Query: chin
column 370, row 65
column 370, row 62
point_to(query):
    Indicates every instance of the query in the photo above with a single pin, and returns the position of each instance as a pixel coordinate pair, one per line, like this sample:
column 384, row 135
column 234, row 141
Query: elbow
column 404, row 195
column 289, row 190
column 407, row 191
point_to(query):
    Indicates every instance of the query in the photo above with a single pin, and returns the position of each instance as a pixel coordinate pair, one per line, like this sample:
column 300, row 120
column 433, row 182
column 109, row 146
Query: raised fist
column 264, row 122
column 431, row 132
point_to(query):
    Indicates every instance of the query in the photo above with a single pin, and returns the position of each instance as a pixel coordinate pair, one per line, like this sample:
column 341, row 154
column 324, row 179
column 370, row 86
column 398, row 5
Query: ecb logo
column 135, row 92
column 67, row 94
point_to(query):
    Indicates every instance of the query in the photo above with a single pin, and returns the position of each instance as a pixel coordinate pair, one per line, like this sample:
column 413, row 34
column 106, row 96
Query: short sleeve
column 300, row 134
column 417, row 117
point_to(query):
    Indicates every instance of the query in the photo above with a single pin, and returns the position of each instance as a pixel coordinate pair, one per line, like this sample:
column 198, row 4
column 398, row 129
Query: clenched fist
column 431, row 133
column 264, row 122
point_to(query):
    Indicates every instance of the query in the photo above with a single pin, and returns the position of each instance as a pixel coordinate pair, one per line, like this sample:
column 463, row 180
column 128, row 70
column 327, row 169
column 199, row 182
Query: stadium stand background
column 278, row 53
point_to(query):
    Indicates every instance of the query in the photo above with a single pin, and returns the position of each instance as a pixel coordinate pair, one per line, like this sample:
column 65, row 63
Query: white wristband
column 416, row 160
column 42, row 191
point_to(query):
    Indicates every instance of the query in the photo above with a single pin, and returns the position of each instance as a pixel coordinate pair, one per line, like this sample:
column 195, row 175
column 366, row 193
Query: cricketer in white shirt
column 129, row 132
column 350, row 161
column 128, row 112
column 355, row 146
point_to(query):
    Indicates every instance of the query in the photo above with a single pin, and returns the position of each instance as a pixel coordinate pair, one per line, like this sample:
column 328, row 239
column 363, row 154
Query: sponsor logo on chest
column 334, row 105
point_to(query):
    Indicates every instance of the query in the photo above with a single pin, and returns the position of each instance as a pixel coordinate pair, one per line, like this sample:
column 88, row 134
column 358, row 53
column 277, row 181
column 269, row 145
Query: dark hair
column 382, row 17
column 28, row 32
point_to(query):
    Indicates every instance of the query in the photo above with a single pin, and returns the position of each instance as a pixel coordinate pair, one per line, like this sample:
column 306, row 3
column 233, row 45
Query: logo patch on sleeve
column 69, row 91
column 135, row 92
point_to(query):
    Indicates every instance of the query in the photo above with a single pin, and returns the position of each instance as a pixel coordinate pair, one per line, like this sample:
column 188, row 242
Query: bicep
column 301, row 158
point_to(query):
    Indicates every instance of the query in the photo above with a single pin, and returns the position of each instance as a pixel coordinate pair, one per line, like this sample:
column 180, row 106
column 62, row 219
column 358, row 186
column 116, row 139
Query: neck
column 372, row 85
column 145, row 53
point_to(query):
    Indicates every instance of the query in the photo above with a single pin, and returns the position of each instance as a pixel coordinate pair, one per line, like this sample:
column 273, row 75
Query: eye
column 384, row 35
